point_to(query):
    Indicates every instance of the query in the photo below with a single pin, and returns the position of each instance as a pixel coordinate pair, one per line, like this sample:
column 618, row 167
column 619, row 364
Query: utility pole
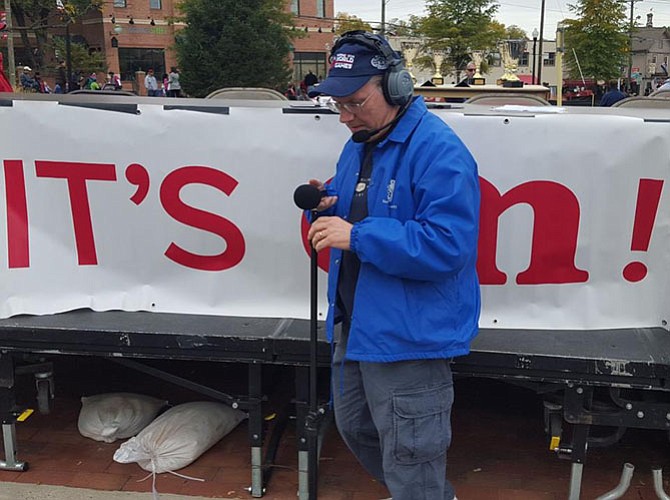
column 11, row 62
column 560, row 48
column 630, row 47
column 541, row 61
column 382, row 29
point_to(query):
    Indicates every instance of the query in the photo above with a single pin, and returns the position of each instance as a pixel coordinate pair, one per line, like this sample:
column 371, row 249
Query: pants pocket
column 421, row 424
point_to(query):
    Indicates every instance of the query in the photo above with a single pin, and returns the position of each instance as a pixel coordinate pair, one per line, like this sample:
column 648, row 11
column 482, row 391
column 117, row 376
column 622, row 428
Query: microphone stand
column 308, row 197
column 313, row 416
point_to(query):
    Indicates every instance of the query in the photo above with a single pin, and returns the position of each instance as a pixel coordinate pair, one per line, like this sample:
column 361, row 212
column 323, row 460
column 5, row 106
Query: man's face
column 470, row 69
column 367, row 108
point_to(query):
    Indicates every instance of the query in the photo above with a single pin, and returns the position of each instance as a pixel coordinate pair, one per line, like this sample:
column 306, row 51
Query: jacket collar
column 401, row 132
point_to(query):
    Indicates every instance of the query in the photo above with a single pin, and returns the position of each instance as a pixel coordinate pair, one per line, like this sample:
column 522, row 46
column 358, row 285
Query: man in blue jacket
column 401, row 219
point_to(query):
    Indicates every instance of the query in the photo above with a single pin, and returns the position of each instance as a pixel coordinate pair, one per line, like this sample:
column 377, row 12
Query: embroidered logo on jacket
column 390, row 189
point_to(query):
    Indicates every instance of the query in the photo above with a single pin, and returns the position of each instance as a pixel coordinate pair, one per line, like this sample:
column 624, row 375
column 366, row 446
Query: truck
column 152, row 228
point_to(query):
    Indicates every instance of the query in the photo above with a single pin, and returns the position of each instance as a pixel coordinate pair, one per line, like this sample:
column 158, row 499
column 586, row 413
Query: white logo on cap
column 344, row 61
column 379, row 62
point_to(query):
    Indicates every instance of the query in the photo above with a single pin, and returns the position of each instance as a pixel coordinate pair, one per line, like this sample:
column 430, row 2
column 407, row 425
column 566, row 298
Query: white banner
column 192, row 212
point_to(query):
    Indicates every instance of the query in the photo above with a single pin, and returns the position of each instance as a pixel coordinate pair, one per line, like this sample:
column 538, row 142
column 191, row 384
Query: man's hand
column 330, row 232
column 326, row 201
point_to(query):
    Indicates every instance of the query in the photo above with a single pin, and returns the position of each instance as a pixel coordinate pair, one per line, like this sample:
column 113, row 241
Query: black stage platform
column 574, row 362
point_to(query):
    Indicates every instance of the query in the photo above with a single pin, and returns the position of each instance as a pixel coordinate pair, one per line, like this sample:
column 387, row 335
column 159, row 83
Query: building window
column 132, row 60
column 303, row 62
column 154, row 4
column 551, row 59
column 523, row 59
column 120, row 3
column 320, row 8
column 295, row 7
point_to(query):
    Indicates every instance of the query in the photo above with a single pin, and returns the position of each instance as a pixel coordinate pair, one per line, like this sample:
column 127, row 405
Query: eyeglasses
column 470, row 69
column 350, row 107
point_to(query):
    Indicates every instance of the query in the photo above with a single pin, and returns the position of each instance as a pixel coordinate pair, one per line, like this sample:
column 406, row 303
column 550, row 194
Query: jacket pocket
column 421, row 424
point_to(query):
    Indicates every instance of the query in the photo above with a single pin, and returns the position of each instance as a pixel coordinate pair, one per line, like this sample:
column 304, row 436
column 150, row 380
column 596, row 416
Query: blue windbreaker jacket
column 417, row 295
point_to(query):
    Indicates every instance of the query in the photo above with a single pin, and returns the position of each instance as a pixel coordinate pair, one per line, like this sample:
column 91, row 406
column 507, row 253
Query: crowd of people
column 299, row 92
column 29, row 81
column 169, row 85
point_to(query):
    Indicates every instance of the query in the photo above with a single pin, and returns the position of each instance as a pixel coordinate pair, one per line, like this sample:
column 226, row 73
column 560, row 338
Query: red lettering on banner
column 323, row 257
column 77, row 174
column 555, row 231
column 207, row 221
column 138, row 176
column 648, row 197
column 18, row 249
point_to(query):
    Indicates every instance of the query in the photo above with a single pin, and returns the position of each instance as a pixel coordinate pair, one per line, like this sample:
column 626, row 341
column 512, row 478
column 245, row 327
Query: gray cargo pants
column 395, row 418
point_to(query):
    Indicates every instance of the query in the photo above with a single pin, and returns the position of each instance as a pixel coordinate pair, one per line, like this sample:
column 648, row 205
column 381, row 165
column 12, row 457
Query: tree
column 81, row 58
column 456, row 27
column 399, row 27
column 598, row 37
column 233, row 43
column 37, row 17
column 347, row 22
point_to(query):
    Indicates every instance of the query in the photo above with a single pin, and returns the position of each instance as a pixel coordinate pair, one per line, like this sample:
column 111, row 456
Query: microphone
column 366, row 135
column 307, row 196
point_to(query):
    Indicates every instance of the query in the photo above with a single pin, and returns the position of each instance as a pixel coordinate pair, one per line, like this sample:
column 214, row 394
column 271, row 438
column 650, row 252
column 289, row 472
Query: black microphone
column 366, row 135
column 307, row 196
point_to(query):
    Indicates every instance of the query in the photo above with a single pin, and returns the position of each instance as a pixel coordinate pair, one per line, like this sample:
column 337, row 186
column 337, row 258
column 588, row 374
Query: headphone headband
column 370, row 40
column 397, row 85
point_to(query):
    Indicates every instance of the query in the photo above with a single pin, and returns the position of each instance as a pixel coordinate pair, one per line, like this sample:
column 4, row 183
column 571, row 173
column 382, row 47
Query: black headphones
column 397, row 84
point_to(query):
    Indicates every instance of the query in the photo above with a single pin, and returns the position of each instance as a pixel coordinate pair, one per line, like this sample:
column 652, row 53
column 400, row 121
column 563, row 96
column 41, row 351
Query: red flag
column 4, row 83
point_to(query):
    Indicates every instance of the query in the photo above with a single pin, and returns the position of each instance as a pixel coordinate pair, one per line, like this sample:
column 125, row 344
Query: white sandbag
column 179, row 436
column 120, row 415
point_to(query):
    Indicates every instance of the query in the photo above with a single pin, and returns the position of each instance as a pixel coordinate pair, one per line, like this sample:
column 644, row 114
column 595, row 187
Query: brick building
column 138, row 34
column 135, row 35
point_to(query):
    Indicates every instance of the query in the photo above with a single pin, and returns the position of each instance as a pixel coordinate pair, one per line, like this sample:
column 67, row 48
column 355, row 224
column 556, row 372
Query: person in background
column 93, row 84
column 115, row 80
column 27, row 82
column 401, row 220
column 612, row 95
column 42, row 85
column 174, row 87
column 61, row 78
column 150, row 83
column 291, row 93
column 469, row 78
column 310, row 81
column 164, row 85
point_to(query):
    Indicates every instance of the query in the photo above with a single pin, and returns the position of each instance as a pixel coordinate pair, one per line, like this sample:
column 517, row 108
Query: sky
column 523, row 13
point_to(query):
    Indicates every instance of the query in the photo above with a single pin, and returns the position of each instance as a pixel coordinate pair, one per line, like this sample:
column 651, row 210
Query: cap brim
column 340, row 87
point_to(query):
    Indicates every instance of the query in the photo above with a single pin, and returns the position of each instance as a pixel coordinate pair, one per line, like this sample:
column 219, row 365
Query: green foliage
column 36, row 17
column 599, row 38
column 233, row 43
column 398, row 27
column 346, row 22
column 456, row 27
column 80, row 57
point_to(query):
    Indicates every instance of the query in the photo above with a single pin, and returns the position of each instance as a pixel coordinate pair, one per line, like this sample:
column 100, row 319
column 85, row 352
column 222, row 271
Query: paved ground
column 499, row 450
column 15, row 491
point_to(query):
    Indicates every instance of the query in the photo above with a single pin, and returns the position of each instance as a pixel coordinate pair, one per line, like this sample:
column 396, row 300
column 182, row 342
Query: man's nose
column 346, row 116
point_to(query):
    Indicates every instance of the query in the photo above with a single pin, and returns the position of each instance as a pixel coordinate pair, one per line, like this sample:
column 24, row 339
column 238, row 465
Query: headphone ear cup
column 398, row 86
